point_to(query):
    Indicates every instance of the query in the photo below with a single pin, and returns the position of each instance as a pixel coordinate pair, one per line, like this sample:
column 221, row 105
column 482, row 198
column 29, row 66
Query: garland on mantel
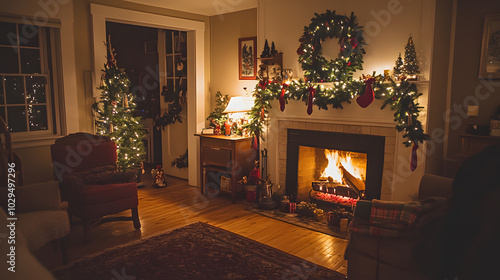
column 401, row 96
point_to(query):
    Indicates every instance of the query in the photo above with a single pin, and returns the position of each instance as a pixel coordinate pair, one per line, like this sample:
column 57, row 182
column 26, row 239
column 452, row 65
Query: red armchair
column 85, row 166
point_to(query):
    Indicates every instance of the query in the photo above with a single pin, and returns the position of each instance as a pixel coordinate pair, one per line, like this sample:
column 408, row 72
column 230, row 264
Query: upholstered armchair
column 85, row 166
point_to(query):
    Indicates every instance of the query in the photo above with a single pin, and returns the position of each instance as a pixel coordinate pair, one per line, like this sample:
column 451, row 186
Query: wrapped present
column 288, row 207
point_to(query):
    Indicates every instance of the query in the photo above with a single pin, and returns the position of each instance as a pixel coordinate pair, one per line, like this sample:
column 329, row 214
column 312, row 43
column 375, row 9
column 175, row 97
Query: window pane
column 168, row 42
column 30, row 61
column 9, row 62
column 8, row 34
column 1, row 90
column 37, row 117
column 35, row 89
column 28, row 35
column 14, row 89
column 17, row 118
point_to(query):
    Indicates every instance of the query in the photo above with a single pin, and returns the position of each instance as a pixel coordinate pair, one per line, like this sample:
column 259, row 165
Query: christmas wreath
column 350, row 58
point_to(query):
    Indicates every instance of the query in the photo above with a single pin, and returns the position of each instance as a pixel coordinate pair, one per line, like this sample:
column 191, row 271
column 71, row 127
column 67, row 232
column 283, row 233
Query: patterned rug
column 197, row 251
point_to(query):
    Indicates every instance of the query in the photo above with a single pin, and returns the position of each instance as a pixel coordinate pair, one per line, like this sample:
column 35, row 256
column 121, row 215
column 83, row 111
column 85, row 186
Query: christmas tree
column 411, row 62
column 267, row 51
column 399, row 68
column 115, row 117
column 273, row 49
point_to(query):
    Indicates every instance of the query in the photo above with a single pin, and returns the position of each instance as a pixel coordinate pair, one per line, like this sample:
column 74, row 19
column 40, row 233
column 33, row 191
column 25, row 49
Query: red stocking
column 312, row 92
column 282, row 99
column 413, row 161
column 367, row 98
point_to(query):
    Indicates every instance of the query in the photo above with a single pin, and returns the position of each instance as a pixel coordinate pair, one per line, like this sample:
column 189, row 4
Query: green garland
column 401, row 97
column 173, row 113
column 349, row 35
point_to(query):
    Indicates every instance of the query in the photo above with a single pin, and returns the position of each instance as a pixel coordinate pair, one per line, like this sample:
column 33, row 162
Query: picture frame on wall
column 490, row 52
column 247, row 58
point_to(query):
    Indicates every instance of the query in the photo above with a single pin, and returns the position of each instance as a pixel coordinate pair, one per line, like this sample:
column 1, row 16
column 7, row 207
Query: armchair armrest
column 77, row 182
column 35, row 197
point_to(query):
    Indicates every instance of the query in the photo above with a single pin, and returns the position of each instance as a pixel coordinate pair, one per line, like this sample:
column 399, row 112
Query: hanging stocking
column 367, row 98
column 312, row 92
column 414, row 161
column 282, row 99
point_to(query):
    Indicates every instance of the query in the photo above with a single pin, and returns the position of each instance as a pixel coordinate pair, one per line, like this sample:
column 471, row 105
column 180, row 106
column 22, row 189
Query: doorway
column 195, row 65
column 155, row 62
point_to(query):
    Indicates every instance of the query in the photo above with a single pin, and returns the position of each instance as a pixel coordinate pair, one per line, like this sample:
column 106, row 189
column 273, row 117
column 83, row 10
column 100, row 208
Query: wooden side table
column 233, row 155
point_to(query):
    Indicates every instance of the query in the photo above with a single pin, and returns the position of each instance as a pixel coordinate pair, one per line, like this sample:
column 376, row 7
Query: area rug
column 304, row 222
column 196, row 251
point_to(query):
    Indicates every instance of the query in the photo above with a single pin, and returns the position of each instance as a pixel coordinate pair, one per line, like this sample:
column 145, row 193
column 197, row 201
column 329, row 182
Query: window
column 26, row 96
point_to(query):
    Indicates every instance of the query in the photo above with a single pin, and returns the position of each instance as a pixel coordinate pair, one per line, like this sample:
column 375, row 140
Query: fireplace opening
column 335, row 167
column 331, row 175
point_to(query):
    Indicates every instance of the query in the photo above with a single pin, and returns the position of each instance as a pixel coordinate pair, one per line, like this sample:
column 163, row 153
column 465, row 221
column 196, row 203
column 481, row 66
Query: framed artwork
column 247, row 58
column 490, row 53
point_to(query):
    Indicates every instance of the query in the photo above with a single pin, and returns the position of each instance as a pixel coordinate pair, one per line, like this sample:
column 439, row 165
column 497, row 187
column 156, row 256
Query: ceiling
column 202, row 7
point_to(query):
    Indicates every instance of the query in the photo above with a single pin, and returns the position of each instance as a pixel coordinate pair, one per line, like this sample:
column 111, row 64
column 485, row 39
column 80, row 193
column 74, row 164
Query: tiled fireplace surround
column 389, row 133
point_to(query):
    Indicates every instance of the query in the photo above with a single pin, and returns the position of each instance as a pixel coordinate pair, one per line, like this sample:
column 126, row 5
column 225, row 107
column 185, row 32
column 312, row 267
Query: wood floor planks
column 179, row 204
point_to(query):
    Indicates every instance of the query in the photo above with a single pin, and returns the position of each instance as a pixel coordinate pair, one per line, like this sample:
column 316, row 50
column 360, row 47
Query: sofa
column 40, row 219
column 380, row 253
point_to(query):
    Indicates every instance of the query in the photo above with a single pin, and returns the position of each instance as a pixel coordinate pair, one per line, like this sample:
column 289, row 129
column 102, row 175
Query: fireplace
column 350, row 165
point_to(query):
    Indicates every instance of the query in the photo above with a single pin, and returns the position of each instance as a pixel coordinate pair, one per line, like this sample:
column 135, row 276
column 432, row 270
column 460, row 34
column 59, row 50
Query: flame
column 344, row 159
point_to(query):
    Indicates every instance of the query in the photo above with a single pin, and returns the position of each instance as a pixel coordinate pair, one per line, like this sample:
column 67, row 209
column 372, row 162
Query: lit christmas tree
column 398, row 68
column 115, row 114
column 411, row 63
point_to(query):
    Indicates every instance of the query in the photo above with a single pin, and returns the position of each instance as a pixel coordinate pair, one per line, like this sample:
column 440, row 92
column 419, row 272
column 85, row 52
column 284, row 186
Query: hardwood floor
column 179, row 204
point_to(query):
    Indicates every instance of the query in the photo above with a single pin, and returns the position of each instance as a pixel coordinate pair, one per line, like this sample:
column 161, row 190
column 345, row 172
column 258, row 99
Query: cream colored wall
column 387, row 27
column 226, row 29
column 465, row 88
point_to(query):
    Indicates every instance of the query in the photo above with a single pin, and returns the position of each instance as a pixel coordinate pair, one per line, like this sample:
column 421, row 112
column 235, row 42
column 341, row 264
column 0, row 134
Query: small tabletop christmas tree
column 273, row 49
column 411, row 63
column 267, row 51
column 398, row 67
column 114, row 114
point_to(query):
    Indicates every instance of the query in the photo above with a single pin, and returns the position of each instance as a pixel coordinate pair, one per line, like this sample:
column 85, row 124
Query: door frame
column 195, row 63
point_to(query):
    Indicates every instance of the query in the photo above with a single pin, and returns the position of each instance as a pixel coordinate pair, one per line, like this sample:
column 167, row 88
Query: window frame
column 50, row 65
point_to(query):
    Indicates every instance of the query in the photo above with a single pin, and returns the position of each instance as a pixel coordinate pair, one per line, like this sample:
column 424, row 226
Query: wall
column 466, row 88
column 439, row 86
column 226, row 29
column 387, row 27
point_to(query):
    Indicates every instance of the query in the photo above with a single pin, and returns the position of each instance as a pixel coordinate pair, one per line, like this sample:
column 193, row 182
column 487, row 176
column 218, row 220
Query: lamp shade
column 239, row 104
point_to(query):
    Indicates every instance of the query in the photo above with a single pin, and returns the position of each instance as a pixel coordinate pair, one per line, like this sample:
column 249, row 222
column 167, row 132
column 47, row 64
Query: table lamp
column 472, row 113
column 237, row 108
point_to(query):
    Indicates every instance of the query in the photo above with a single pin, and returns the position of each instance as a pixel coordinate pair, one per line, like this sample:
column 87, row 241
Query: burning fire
column 339, row 159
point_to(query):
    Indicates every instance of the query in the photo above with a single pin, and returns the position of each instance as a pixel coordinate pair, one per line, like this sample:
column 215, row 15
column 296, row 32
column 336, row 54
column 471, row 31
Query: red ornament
column 300, row 50
column 354, row 43
column 312, row 92
column 413, row 160
column 262, row 114
column 367, row 98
